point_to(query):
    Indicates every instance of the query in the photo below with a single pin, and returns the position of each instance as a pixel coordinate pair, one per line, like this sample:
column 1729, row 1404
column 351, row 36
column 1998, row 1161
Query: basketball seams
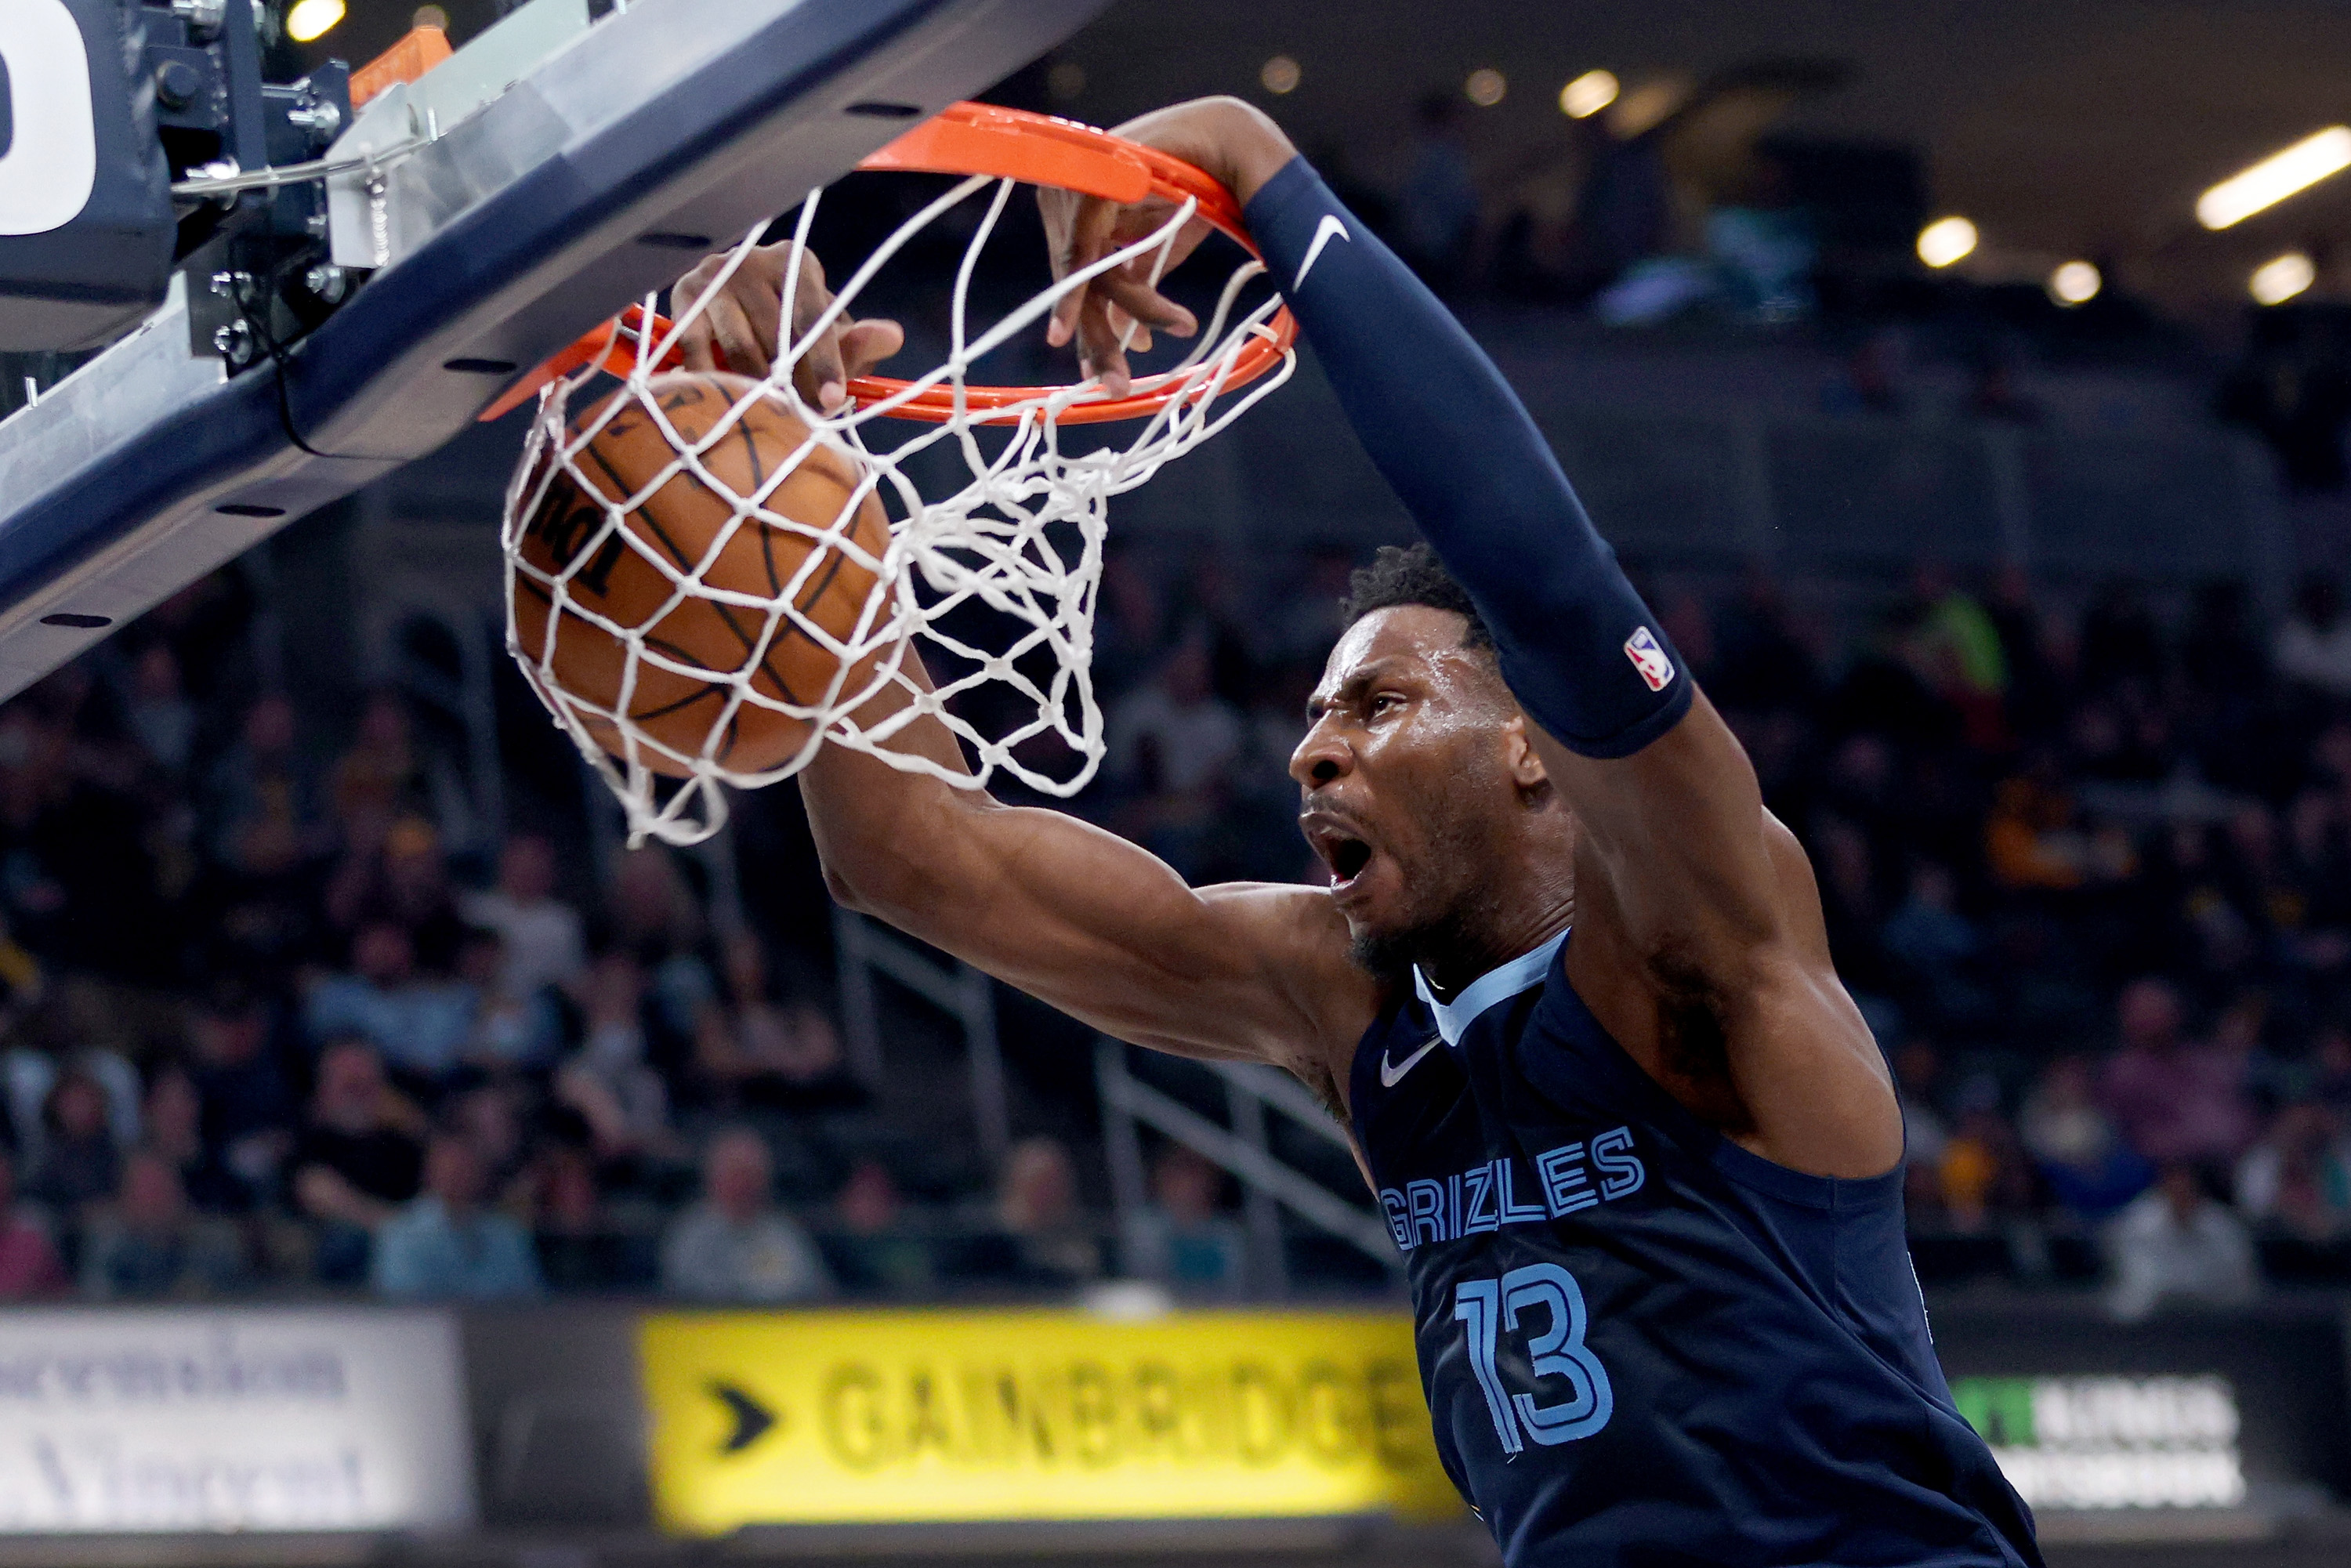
column 659, row 536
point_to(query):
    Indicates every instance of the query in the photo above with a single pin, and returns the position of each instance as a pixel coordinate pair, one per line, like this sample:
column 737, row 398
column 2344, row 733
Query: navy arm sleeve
column 1581, row 651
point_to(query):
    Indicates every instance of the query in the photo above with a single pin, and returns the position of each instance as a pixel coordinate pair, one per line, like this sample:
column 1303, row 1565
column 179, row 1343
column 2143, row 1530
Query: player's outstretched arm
column 1086, row 921
column 1700, row 935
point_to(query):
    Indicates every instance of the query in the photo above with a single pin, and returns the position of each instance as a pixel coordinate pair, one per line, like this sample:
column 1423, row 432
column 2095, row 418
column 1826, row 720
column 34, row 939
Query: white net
column 1021, row 537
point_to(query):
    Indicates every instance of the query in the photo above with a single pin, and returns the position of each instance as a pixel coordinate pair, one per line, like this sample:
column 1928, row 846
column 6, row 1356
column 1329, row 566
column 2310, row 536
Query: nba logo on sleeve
column 1650, row 657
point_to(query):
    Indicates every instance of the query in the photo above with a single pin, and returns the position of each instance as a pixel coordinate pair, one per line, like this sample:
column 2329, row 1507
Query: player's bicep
column 1108, row 933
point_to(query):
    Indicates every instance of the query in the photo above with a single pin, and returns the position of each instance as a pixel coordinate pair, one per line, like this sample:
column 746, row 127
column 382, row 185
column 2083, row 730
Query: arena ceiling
column 2062, row 128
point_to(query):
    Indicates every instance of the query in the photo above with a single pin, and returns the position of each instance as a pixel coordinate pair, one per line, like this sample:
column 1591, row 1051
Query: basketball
column 679, row 523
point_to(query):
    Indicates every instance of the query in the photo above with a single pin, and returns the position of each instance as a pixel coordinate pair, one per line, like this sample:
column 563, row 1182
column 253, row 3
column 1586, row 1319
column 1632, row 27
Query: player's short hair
column 1411, row 574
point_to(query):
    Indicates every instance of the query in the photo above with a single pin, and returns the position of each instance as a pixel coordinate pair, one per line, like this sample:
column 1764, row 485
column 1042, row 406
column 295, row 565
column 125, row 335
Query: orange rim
column 1007, row 143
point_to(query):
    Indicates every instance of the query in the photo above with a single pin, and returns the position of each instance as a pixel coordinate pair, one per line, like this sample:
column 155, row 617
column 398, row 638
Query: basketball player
column 1568, row 981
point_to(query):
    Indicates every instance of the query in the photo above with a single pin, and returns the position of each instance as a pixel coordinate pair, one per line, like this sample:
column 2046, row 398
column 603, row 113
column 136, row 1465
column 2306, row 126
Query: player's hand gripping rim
column 1118, row 311
column 741, row 326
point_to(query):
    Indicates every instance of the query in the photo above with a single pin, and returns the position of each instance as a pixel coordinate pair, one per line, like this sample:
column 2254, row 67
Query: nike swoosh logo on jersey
column 1391, row 1076
column 1329, row 228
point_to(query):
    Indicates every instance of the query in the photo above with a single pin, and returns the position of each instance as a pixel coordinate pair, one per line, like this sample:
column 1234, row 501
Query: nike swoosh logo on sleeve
column 1391, row 1076
column 1323, row 232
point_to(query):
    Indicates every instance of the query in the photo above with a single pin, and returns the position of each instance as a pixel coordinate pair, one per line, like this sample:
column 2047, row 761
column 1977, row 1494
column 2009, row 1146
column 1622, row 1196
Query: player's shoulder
column 1302, row 945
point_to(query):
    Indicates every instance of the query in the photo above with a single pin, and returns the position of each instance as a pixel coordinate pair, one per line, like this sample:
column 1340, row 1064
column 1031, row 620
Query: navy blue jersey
column 1642, row 1344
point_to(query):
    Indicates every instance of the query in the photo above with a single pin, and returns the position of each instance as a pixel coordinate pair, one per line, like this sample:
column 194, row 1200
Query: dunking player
column 1647, row 1180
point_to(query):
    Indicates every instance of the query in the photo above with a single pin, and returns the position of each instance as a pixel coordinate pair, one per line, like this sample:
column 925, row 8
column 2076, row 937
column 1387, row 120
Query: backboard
column 558, row 170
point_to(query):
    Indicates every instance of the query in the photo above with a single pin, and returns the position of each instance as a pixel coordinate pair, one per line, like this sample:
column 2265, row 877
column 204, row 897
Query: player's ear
column 1520, row 757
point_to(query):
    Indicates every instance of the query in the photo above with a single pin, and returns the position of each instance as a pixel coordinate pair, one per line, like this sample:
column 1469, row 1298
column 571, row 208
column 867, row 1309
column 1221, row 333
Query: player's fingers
column 743, row 348
column 1059, row 210
column 1099, row 353
column 762, row 308
column 1138, row 298
column 1134, row 333
column 819, row 376
column 694, row 345
column 868, row 343
column 1089, row 240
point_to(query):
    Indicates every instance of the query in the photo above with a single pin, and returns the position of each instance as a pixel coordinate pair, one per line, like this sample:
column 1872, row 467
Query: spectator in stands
column 1036, row 1204
column 735, row 1245
column 2319, row 920
column 2177, row 1242
column 876, row 1250
column 81, row 1162
column 383, row 777
column 1933, row 948
column 249, row 1112
column 444, row 1244
column 1983, row 1173
column 260, row 801
column 1183, row 1239
column 509, row 1033
column 2296, row 1178
column 1437, row 212
column 2292, row 388
column 1171, row 744
column 2090, row 1170
column 607, row 1080
column 159, row 712
column 2314, row 646
column 2174, row 1102
column 657, row 918
column 421, row 1025
column 581, row 1245
column 753, row 1048
column 395, row 873
column 149, row 1244
column 172, row 1119
column 1174, row 736
column 358, row 1158
column 544, row 945
column 489, row 1116
column 29, row 1269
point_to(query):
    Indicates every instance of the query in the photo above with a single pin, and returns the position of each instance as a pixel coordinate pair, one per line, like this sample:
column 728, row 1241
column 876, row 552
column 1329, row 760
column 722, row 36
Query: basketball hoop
column 1022, row 538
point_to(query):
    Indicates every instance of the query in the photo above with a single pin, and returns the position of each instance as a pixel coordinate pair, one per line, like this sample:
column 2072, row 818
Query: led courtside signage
column 2110, row 1442
column 248, row 1420
column 822, row 1418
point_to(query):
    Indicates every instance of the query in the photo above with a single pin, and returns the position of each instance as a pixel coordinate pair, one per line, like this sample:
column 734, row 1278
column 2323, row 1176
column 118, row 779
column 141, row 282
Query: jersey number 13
column 1489, row 1308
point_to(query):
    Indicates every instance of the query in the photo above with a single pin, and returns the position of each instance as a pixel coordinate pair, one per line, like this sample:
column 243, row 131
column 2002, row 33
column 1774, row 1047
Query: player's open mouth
column 1347, row 855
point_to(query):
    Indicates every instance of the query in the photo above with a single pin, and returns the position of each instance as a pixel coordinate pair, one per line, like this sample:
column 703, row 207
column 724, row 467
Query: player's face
column 1407, row 791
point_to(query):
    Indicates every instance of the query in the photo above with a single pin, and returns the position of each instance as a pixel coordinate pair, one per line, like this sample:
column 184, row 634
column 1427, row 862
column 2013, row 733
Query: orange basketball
column 679, row 523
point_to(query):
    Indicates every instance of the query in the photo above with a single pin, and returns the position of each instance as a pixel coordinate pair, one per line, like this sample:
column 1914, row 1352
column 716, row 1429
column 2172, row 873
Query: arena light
column 1486, row 86
column 310, row 19
column 1588, row 94
column 1946, row 240
column 2275, row 178
column 1281, row 75
column 2075, row 283
column 2275, row 282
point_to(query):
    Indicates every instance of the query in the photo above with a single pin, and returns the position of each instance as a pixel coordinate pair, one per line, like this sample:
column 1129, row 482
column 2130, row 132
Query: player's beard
column 1463, row 846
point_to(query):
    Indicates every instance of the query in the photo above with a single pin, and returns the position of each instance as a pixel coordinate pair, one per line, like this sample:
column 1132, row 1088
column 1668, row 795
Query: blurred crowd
column 279, row 1012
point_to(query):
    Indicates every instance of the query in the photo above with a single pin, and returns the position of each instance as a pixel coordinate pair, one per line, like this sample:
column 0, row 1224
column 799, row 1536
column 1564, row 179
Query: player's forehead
column 1401, row 637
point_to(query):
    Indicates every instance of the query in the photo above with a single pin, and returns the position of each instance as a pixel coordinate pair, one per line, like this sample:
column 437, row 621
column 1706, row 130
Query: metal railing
column 863, row 951
column 1244, row 1148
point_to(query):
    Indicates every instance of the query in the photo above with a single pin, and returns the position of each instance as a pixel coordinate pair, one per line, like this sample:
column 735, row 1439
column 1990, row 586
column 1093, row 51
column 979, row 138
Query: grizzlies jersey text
column 1641, row 1344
